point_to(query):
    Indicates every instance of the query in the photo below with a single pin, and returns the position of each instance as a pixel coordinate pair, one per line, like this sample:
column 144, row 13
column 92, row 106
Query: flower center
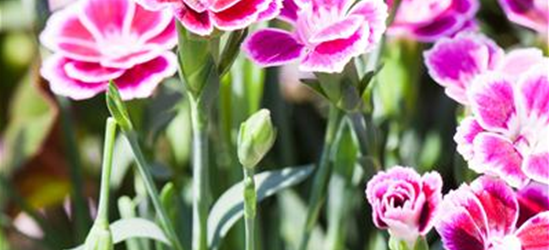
column 117, row 45
column 509, row 242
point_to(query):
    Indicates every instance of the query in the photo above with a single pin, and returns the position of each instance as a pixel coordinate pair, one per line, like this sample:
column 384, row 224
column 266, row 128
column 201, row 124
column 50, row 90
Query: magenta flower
column 483, row 216
column 327, row 34
column 95, row 41
column 455, row 62
column 533, row 14
column 404, row 202
column 430, row 20
column 203, row 16
column 508, row 132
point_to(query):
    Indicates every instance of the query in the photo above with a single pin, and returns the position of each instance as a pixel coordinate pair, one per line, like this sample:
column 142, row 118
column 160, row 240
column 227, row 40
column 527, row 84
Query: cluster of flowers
column 505, row 136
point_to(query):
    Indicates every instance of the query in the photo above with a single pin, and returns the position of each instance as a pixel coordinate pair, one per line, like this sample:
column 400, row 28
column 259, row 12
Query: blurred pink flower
column 327, row 35
column 202, row 16
column 533, row 14
column 430, row 20
column 508, row 132
column 95, row 41
column 455, row 62
column 404, row 202
column 483, row 216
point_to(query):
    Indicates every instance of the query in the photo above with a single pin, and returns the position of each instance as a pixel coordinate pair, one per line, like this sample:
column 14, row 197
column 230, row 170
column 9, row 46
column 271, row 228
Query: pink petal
column 532, row 13
column 105, row 18
column 442, row 26
column 534, row 92
column 536, row 167
column 199, row 5
column 534, row 234
column 533, row 199
column 496, row 155
column 220, row 5
column 126, row 61
column 432, row 187
column 338, row 30
column 332, row 56
column 147, row 24
column 272, row 47
column 500, row 205
column 461, row 222
column 466, row 133
column 53, row 70
column 79, row 51
column 167, row 39
column 375, row 13
column 289, row 11
column 465, row 198
column 271, row 12
column 91, row 72
column 141, row 80
column 466, row 7
column 519, row 61
column 453, row 63
column 240, row 15
column 198, row 23
column 64, row 25
column 492, row 101
column 156, row 5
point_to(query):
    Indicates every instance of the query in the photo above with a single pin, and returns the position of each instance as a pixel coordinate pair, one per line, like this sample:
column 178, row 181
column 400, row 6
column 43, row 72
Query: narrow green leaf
column 229, row 208
column 231, row 50
column 125, row 229
column 315, row 85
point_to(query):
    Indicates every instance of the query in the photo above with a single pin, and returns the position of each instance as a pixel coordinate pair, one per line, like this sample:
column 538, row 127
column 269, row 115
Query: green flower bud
column 99, row 238
column 255, row 138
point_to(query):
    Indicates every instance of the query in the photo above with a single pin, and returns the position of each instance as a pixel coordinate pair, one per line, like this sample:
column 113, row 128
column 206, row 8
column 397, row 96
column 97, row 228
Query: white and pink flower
column 533, row 14
column 508, row 132
column 202, row 17
column 95, row 41
column 483, row 216
column 404, row 202
column 327, row 34
column 430, row 20
column 455, row 62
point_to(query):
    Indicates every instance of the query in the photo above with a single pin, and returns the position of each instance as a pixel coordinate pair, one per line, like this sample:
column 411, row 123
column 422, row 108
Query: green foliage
column 230, row 206
column 32, row 116
column 125, row 229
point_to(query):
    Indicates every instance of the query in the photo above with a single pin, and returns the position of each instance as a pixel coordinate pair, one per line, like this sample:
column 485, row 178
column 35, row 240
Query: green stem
column 81, row 211
column 145, row 173
column 322, row 175
column 250, row 204
column 103, row 211
column 199, row 118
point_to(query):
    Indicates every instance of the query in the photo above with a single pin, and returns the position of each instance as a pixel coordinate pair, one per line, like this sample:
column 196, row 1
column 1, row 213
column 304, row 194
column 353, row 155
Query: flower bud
column 99, row 238
column 255, row 138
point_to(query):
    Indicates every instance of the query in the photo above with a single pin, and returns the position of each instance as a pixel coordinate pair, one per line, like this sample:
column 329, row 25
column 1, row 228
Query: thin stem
column 81, row 211
column 322, row 175
column 103, row 211
column 145, row 173
column 199, row 118
column 250, row 204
